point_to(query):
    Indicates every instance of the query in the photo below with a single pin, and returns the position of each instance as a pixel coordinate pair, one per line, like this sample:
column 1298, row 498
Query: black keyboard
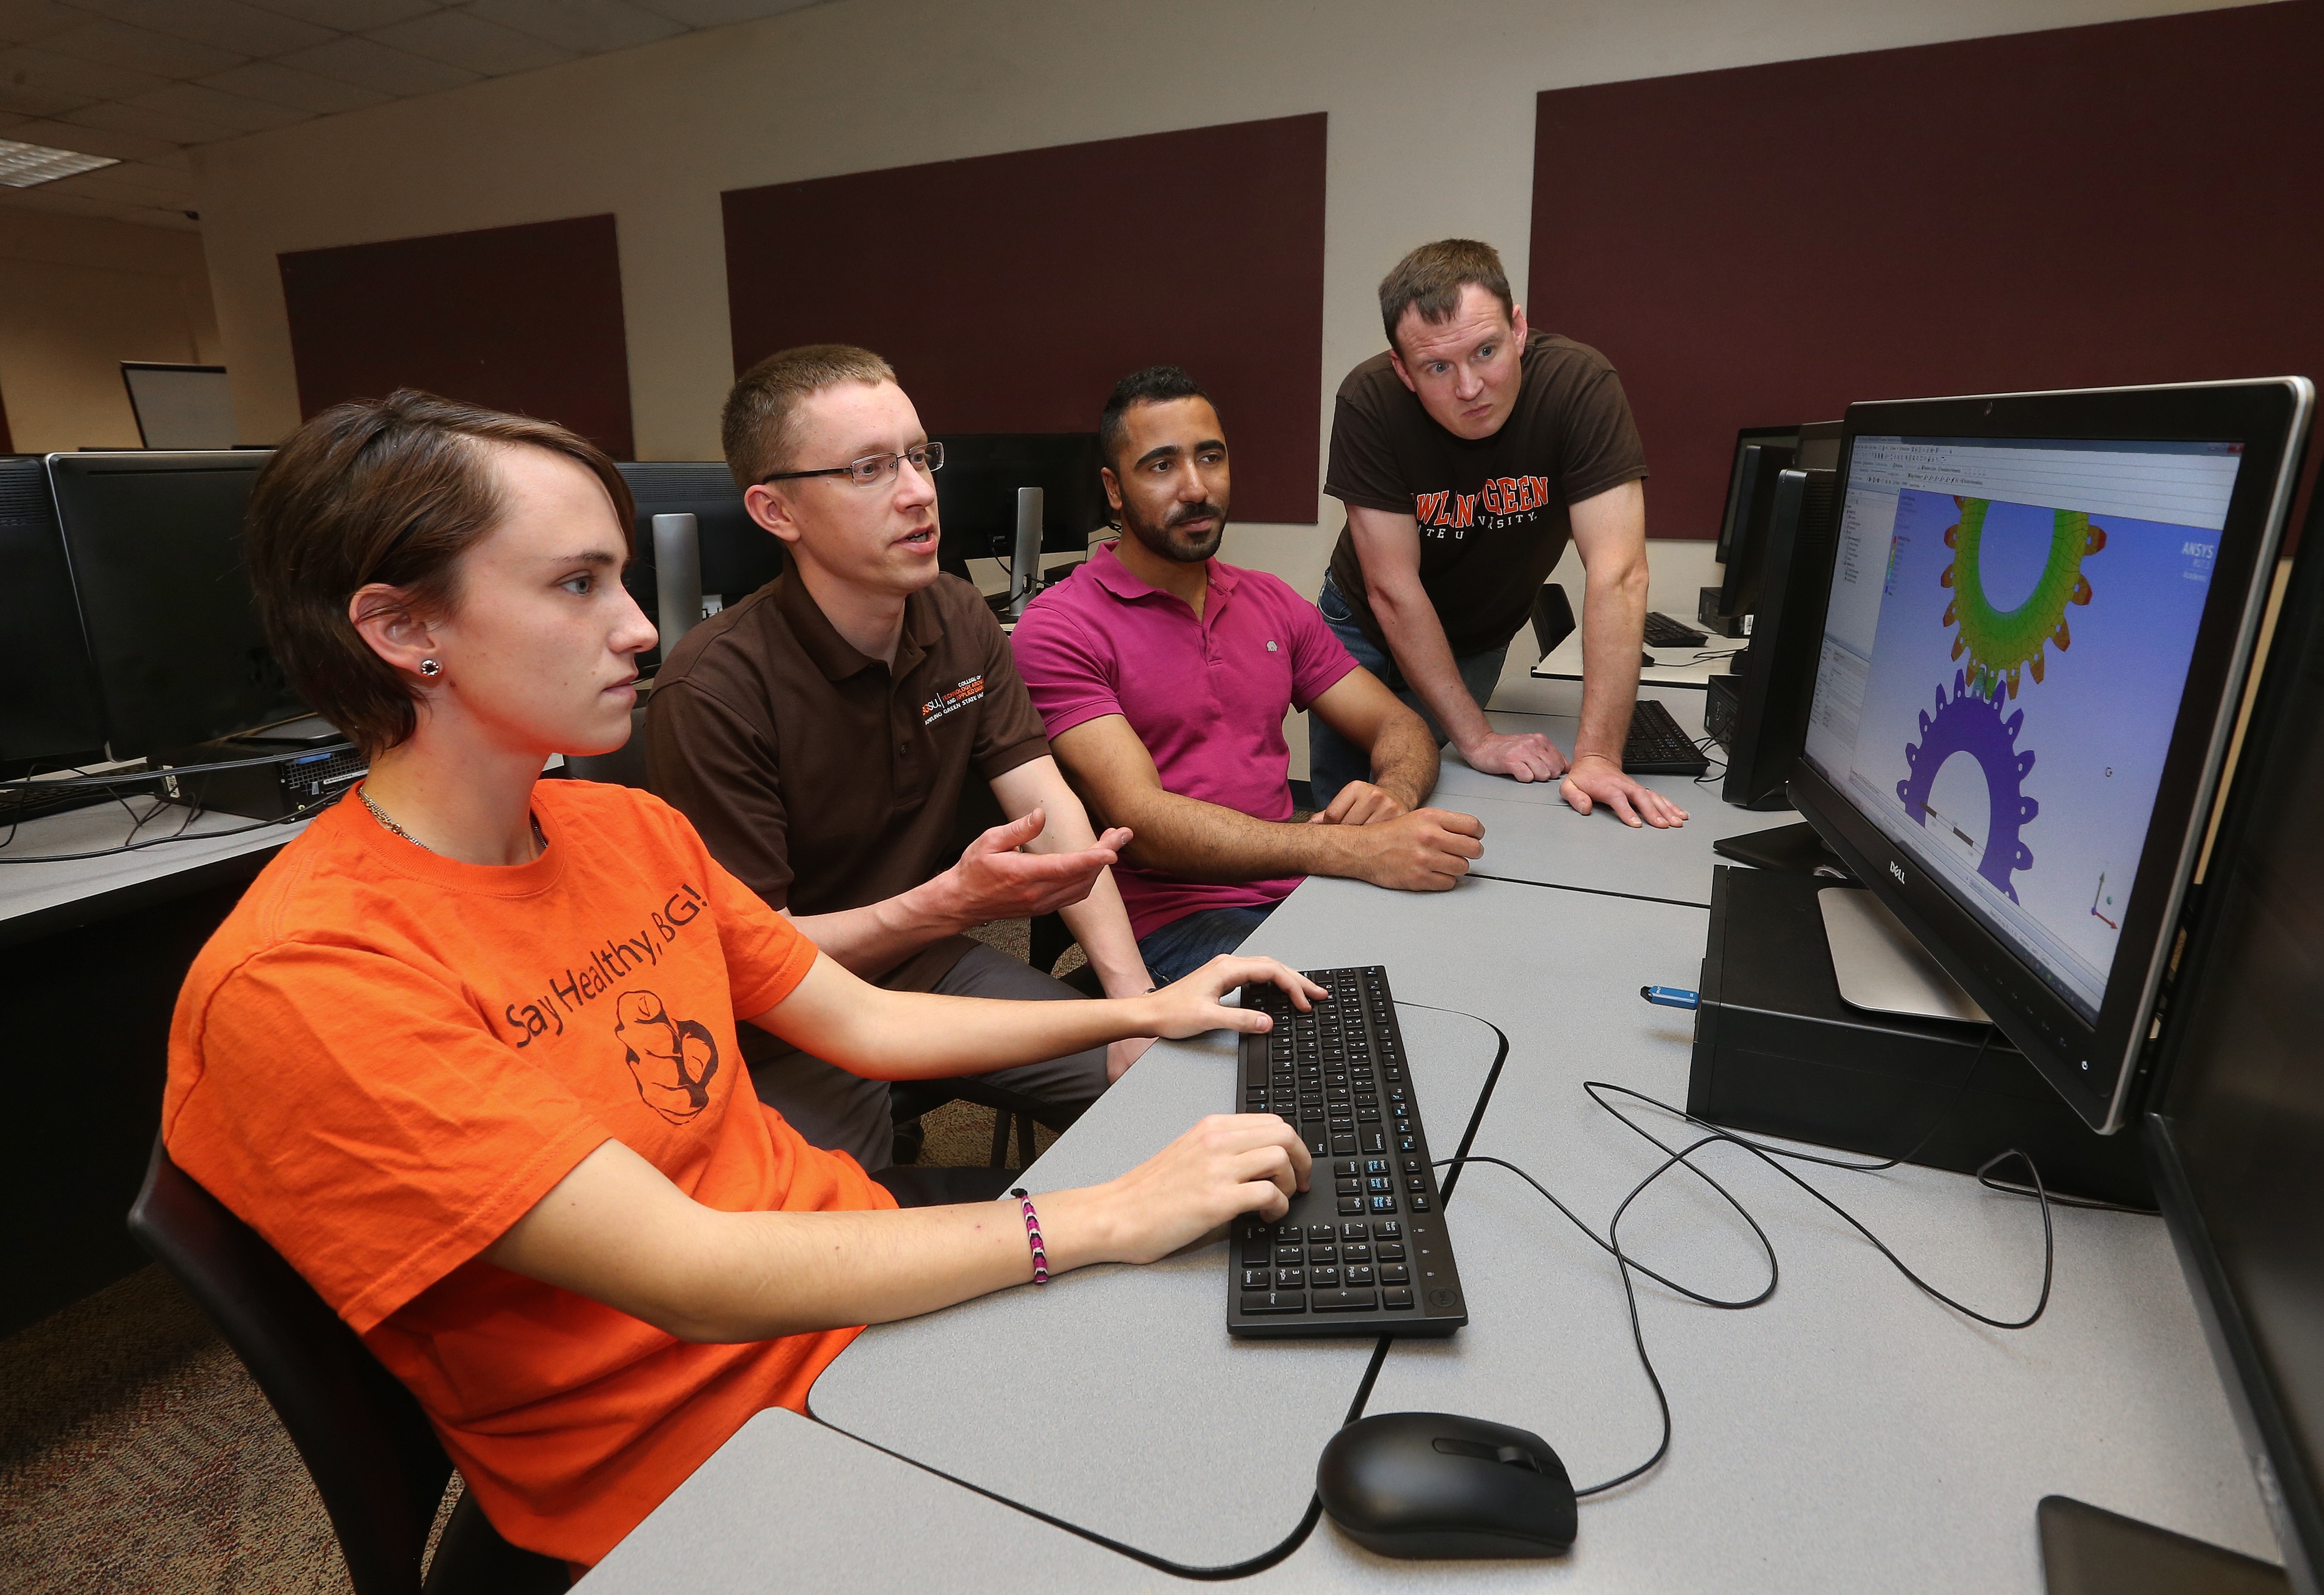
column 1657, row 746
column 1662, row 631
column 1363, row 1251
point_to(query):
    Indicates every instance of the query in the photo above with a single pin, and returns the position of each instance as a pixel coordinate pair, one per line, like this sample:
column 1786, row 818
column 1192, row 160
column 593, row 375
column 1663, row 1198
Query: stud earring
column 430, row 668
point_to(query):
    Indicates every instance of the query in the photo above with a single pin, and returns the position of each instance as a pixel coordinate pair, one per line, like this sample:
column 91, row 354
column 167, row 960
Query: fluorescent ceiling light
column 23, row 165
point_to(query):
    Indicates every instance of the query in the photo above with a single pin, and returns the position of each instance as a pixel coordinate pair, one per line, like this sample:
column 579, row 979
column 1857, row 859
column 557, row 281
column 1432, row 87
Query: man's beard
column 1164, row 541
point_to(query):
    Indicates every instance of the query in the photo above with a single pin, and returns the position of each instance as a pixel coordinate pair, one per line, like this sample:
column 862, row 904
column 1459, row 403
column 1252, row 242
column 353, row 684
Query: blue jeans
column 1176, row 950
column 1332, row 760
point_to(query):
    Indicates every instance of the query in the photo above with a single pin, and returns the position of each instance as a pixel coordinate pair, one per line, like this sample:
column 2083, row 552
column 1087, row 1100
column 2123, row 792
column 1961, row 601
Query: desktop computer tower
column 1778, row 1053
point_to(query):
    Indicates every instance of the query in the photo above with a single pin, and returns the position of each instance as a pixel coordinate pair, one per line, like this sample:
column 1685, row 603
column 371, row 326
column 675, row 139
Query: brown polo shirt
column 822, row 779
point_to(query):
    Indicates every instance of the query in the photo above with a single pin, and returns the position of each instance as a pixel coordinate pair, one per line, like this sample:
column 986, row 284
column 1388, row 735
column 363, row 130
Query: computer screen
column 1745, row 546
column 155, row 544
column 976, row 491
column 49, row 716
column 1784, row 437
column 2034, row 633
column 1779, row 667
column 738, row 555
column 2238, row 1131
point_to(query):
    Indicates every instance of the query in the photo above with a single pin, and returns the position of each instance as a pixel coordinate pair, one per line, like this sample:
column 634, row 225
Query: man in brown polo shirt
column 820, row 733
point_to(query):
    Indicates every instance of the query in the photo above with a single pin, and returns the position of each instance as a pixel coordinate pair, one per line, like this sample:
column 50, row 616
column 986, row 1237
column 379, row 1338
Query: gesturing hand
column 994, row 880
column 1359, row 803
column 1595, row 778
column 1527, row 755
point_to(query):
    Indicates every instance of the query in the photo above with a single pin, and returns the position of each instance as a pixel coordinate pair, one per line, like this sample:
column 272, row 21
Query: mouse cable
column 1291, row 1541
column 181, row 835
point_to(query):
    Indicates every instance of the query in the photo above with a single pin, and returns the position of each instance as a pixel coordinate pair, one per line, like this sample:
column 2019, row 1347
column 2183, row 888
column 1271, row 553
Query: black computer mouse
column 1430, row 1484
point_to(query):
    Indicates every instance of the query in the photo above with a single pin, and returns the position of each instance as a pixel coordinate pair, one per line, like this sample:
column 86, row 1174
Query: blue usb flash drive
column 1669, row 996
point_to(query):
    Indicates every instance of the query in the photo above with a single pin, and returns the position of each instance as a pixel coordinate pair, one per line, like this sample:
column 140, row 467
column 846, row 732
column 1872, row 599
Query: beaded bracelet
column 1033, row 1237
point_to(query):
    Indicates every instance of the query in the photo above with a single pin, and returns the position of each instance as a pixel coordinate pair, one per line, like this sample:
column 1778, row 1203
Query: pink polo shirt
column 1206, row 696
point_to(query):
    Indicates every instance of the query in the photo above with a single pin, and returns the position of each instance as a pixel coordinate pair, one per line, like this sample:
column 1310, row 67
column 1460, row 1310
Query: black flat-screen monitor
column 2236, row 1134
column 738, row 555
column 2041, row 614
column 1779, row 667
column 1784, row 437
column 49, row 716
column 1753, row 493
column 977, row 491
column 155, row 540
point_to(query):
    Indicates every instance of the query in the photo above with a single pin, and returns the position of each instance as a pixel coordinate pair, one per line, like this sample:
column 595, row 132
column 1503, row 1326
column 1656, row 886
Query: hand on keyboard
column 1191, row 1006
column 1595, row 778
column 1226, row 1166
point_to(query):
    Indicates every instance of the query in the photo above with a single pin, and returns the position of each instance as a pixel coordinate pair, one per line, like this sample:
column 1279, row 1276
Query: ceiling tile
column 587, row 26
column 122, row 44
column 718, row 13
column 353, row 16
column 27, row 67
column 369, row 64
column 25, row 100
column 236, row 111
column 287, row 86
column 470, row 41
column 93, row 141
column 148, row 123
column 159, row 181
column 229, row 24
column 45, row 197
column 28, row 21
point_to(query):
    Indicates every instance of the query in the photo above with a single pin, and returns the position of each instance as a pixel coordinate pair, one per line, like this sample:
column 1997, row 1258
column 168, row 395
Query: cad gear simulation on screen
column 1970, row 723
column 1999, row 643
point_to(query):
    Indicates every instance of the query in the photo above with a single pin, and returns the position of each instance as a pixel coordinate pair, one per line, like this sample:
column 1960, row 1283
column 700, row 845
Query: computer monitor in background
column 1779, row 667
column 1819, row 446
column 2236, row 1133
column 976, row 493
column 2041, row 612
column 737, row 554
column 154, row 541
column 49, row 716
column 1726, row 608
column 1787, row 437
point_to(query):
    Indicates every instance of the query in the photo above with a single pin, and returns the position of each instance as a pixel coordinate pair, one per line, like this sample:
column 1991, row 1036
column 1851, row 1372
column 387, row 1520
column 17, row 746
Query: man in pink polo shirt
column 1162, row 676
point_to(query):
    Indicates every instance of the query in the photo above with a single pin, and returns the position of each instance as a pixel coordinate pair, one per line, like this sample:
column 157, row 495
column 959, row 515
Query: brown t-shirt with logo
column 822, row 779
column 1491, row 513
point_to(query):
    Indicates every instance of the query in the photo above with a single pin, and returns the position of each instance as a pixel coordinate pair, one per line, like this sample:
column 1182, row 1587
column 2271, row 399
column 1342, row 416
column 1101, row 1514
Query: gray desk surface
column 1673, row 667
column 1850, row 1434
column 43, row 890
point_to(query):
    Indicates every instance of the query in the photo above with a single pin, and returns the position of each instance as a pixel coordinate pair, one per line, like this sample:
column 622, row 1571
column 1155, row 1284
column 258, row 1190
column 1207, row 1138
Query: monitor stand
column 1880, row 966
column 1795, row 847
column 2086, row 1550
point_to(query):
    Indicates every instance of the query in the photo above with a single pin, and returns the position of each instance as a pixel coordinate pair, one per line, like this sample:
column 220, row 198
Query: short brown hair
column 1430, row 280
column 389, row 490
column 759, row 426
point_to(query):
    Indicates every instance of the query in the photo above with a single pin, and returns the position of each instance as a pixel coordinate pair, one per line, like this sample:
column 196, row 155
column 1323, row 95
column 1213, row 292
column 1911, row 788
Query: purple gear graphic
column 1970, row 723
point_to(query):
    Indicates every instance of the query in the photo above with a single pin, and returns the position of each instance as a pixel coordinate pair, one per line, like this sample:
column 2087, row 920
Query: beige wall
column 79, row 295
column 1431, row 136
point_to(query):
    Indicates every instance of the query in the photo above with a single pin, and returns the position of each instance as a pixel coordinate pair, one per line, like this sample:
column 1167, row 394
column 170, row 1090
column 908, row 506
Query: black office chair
column 375, row 1462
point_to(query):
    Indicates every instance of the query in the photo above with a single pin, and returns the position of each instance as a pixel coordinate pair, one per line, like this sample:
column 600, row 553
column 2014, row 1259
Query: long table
column 1849, row 1433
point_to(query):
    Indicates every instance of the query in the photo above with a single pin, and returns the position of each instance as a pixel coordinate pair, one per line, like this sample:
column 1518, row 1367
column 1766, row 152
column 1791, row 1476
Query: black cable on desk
column 1314, row 1512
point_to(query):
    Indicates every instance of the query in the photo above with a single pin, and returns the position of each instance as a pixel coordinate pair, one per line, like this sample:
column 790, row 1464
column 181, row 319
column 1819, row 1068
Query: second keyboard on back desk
column 1363, row 1251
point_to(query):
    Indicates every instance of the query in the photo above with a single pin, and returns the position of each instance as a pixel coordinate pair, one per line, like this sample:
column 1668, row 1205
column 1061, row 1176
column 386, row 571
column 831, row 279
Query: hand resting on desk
column 615, row 1228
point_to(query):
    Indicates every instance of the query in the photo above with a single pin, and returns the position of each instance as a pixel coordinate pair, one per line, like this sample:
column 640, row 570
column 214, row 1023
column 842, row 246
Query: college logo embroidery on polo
column 1503, row 500
column 969, row 690
column 672, row 1060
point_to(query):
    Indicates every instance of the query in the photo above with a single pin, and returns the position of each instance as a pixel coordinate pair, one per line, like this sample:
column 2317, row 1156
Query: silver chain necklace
column 380, row 815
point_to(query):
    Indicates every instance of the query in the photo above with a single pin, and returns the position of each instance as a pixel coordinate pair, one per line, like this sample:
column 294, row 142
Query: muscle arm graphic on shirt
column 1375, row 831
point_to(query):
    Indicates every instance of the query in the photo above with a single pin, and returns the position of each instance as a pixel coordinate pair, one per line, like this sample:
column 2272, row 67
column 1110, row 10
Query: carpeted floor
column 137, row 1455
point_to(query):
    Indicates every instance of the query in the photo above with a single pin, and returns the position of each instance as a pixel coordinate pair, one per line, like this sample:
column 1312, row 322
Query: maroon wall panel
column 1012, row 291
column 522, row 318
column 2132, row 202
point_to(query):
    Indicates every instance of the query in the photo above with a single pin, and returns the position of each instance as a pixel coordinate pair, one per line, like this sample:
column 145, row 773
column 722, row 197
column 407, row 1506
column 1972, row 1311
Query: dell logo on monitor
column 1896, row 870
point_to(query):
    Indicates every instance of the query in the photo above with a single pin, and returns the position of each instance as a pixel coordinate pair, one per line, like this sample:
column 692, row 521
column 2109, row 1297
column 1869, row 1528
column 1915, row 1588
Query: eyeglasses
column 873, row 468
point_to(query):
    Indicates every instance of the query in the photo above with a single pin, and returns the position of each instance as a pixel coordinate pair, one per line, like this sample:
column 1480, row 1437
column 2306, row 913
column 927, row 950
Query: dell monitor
column 50, row 717
column 154, row 542
column 2235, row 1134
column 735, row 554
column 976, row 493
column 1779, row 667
column 1727, row 607
column 1749, row 438
column 2040, row 612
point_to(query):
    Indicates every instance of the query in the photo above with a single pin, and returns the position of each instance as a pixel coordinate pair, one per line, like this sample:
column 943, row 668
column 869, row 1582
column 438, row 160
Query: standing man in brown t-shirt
column 1466, row 455
column 820, row 733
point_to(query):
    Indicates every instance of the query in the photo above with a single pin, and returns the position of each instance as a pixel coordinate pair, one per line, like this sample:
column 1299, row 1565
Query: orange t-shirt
column 385, row 1057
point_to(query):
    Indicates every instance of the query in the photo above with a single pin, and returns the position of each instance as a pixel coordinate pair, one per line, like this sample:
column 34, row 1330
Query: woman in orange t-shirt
column 466, row 1054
